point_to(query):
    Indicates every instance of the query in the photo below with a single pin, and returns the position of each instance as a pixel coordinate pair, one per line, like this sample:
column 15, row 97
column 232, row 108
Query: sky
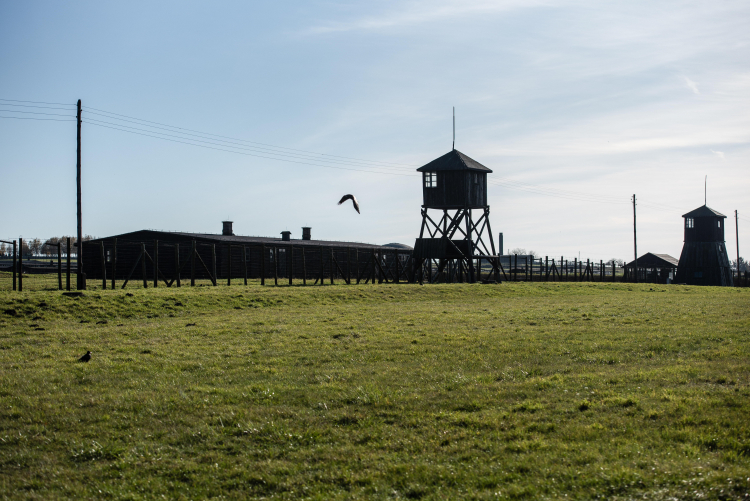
column 266, row 113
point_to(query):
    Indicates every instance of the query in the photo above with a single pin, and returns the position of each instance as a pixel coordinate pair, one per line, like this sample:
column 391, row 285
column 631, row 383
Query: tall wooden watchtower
column 704, row 259
column 454, row 185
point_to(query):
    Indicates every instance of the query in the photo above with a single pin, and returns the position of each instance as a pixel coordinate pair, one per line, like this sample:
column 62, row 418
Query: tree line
column 36, row 247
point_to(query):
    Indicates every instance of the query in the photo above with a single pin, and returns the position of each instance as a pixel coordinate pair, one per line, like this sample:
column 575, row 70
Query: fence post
column 244, row 262
column 67, row 265
column 177, row 264
column 348, row 265
column 59, row 266
column 114, row 263
column 143, row 265
column 14, row 266
column 104, row 265
column 290, row 261
column 213, row 263
column 156, row 263
column 356, row 260
column 379, row 258
column 322, row 275
column 20, row 265
column 192, row 265
column 229, row 264
column 263, row 264
column 275, row 265
column 332, row 267
column 395, row 256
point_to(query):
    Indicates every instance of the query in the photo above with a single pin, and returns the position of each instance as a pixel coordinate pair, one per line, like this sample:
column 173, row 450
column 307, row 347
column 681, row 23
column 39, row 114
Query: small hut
column 704, row 259
column 652, row 268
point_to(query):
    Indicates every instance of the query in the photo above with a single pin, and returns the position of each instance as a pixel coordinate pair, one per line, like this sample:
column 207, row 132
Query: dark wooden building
column 652, row 268
column 704, row 259
column 450, row 237
column 226, row 256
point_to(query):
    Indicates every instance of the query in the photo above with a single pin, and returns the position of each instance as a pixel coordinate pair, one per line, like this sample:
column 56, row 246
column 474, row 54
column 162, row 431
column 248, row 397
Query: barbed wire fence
column 52, row 264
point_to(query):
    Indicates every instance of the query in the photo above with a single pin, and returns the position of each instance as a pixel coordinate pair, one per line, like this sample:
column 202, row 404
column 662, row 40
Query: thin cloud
column 421, row 12
column 691, row 85
column 719, row 154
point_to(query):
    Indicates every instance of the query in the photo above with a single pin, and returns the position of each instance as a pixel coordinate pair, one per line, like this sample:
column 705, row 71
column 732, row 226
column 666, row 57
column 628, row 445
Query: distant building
column 704, row 259
column 220, row 256
column 653, row 268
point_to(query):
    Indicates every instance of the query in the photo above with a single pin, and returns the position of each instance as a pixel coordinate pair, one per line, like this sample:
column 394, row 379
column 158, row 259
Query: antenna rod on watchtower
column 635, row 243
column 454, row 127
column 705, row 190
column 79, row 251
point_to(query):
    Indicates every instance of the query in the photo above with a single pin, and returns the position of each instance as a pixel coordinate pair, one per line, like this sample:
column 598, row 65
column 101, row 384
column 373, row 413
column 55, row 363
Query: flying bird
column 353, row 199
column 86, row 357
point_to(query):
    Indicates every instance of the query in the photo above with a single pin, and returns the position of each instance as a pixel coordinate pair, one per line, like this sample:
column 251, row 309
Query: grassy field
column 542, row 391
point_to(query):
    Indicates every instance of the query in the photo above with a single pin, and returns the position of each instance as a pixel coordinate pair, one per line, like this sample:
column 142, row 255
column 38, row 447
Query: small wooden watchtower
column 704, row 259
column 455, row 184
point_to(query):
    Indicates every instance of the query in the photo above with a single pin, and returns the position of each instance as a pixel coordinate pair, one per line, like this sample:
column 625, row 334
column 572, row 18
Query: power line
column 239, row 146
column 555, row 192
column 34, row 106
column 41, row 119
column 246, row 154
column 243, row 140
column 36, row 102
column 36, row 113
column 233, row 149
column 229, row 144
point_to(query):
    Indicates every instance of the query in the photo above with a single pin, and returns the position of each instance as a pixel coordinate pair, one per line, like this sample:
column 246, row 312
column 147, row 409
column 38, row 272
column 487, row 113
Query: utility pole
column 737, row 236
column 635, row 243
column 78, row 183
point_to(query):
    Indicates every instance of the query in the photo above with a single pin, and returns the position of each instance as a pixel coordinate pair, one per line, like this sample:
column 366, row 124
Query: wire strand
column 224, row 147
column 34, row 106
column 247, row 154
column 243, row 140
column 35, row 113
column 36, row 102
column 41, row 119
column 228, row 144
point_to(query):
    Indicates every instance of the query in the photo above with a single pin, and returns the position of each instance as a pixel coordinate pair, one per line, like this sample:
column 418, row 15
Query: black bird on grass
column 86, row 357
column 353, row 199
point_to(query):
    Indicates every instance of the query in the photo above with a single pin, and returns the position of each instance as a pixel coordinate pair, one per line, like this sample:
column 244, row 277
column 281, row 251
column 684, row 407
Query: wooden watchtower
column 454, row 185
column 704, row 259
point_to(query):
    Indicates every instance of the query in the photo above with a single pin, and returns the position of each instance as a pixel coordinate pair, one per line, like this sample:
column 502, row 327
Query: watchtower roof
column 454, row 160
column 703, row 211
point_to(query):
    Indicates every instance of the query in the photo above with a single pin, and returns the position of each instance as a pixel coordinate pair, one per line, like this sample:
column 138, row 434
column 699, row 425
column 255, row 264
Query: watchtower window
column 719, row 223
column 689, row 222
column 430, row 179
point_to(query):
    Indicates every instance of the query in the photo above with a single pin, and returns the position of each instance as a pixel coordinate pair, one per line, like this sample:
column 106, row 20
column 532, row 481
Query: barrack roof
column 239, row 239
column 651, row 260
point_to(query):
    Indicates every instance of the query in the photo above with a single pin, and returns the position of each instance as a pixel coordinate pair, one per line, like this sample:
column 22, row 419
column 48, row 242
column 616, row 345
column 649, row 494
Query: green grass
column 502, row 391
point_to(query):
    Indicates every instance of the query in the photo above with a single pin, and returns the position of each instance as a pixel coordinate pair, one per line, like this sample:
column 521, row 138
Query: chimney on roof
column 227, row 229
column 306, row 233
column 286, row 236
